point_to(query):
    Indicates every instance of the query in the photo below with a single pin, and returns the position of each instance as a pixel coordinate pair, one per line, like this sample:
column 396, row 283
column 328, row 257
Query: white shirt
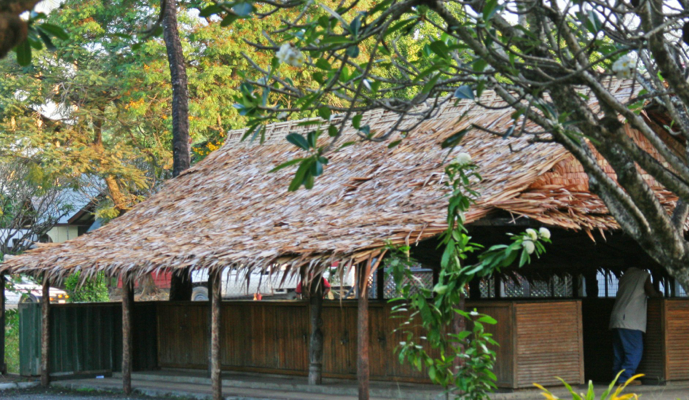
column 629, row 311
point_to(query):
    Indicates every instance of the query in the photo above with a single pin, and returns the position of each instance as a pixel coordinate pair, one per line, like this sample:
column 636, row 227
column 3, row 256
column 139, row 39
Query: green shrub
column 90, row 291
column 12, row 341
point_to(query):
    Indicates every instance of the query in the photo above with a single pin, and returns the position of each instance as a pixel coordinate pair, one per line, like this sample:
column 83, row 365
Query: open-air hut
column 230, row 211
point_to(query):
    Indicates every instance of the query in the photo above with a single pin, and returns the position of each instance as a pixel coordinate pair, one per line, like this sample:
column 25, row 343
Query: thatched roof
column 229, row 210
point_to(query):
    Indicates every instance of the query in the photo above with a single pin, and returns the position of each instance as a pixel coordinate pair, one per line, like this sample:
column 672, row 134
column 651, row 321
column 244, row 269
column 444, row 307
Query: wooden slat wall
column 677, row 339
column 549, row 343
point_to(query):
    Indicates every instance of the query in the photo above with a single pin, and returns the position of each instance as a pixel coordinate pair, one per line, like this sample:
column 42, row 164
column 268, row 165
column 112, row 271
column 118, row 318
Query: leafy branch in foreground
column 464, row 361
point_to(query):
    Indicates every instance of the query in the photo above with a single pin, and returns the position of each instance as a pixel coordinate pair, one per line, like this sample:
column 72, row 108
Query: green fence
column 86, row 338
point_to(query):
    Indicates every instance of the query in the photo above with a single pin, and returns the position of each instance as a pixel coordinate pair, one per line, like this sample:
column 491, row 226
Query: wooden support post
column 127, row 300
column 362, row 374
column 45, row 331
column 316, row 340
column 216, row 382
column 3, row 365
column 209, row 286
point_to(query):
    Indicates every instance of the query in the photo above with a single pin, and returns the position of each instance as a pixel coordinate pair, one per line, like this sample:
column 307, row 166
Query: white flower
column 623, row 67
column 463, row 159
column 531, row 233
column 528, row 246
column 544, row 233
column 290, row 55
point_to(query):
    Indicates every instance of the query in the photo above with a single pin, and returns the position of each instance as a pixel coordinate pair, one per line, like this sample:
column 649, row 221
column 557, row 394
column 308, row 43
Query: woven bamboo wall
column 549, row 343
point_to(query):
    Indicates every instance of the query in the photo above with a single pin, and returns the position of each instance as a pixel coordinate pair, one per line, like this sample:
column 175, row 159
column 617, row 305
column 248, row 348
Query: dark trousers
column 628, row 347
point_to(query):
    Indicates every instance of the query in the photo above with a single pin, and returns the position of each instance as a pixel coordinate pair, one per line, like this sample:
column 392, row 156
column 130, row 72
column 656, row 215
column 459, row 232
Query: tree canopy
column 547, row 60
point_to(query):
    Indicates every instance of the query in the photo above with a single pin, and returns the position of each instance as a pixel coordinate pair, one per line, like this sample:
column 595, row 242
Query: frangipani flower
column 291, row 55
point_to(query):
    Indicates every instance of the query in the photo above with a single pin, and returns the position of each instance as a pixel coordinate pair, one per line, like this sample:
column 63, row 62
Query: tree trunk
column 148, row 286
column 127, row 292
column 216, row 381
column 180, row 289
column 45, row 332
column 180, row 94
column 316, row 340
column 3, row 365
column 363, row 372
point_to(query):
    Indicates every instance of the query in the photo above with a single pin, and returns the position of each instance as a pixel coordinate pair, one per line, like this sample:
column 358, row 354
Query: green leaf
column 352, row 51
column 243, row 9
column 356, row 121
column 23, row 53
column 46, row 39
column 54, row 30
column 440, row 48
column 332, row 131
column 355, row 26
column 312, row 138
column 490, row 9
column 323, row 64
column 324, row 112
column 464, row 92
column 335, row 15
column 298, row 140
column 454, row 139
column 229, row 19
column 300, row 176
column 316, row 168
column 394, row 144
column 286, row 164
column 210, row 10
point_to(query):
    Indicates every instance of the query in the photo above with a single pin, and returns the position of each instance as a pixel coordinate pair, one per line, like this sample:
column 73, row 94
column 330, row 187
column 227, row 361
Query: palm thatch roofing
column 228, row 210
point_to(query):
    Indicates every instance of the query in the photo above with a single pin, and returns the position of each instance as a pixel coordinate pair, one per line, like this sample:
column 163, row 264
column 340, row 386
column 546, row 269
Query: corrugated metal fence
column 86, row 338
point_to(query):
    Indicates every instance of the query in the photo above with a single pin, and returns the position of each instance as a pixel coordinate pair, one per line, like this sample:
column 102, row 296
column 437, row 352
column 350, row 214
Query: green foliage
column 609, row 394
column 465, row 359
column 12, row 341
column 90, row 291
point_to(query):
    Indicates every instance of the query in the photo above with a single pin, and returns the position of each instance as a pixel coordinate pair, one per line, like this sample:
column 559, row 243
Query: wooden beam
column 316, row 340
column 127, row 300
column 3, row 364
column 45, row 331
column 216, row 382
column 363, row 372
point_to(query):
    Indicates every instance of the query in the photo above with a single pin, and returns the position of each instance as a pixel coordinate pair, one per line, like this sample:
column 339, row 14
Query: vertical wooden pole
column 127, row 299
column 3, row 365
column 209, row 285
column 316, row 340
column 45, row 331
column 216, row 382
column 362, row 374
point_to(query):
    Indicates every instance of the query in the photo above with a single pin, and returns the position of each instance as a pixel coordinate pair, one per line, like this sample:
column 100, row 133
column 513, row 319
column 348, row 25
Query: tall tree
column 554, row 72
column 180, row 92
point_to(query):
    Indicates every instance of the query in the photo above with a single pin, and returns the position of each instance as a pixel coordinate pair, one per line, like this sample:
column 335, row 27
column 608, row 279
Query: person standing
column 628, row 321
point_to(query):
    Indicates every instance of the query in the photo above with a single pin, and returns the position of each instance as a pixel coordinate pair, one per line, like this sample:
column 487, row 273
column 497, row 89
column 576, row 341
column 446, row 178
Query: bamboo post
column 127, row 300
column 316, row 340
column 45, row 331
column 216, row 382
column 363, row 372
column 3, row 365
